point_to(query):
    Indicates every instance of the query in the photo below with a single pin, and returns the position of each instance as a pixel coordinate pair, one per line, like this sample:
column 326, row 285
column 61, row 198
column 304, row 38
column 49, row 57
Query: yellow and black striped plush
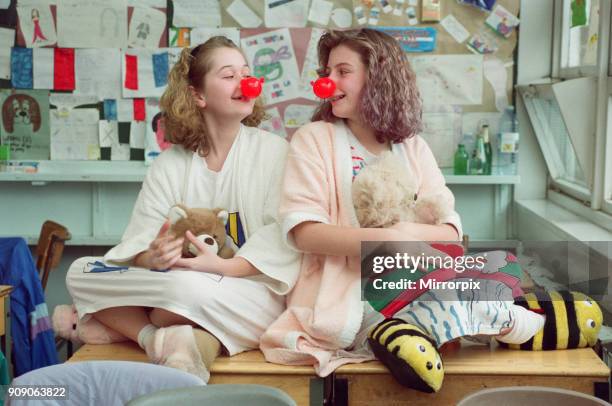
column 573, row 320
column 409, row 353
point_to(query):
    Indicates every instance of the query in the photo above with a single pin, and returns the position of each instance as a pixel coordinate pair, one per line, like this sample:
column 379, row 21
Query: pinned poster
column 243, row 14
column 194, row 13
column 145, row 72
column 147, row 27
column 7, row 41
column 455, row 28
column 297, row 115
column 283, row 13
column 97, row 74
column 74, row 134
column 275, row 123
column 311, row 65
column 413, row 39
column 502, row 21
column 200, row 35
column 272, row 57
column 53, row 68
column 155, row 141
column 25, row 123
column 178, row 37
column 449, row 79
column 442, row 130
column 92, row 24
column 36, row 23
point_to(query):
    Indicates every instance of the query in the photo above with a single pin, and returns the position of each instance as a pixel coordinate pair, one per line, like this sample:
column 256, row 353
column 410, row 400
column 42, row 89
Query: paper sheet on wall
column 196, row 13
column 496, row 74
column 74, row 134
column 271, row 56
column 311, row 65
column 200, row 35
column 4, row 4
column 297, row 115
column 155, row 141
column 243, row 14
column 455, row 28
column 42, row 64
column 146, row 27
column 25, row 123
column 70, row 101
column 286, row 13
column 144, row 72
column 97, row 73
column 449, row 79
column 320, row 12
column 137, row 134
column 92, row 23
column 108, row 133
column 7, row 41
column 36, row 23
column 125, row 110
column 442, row 131
column 275, row 123
column 147, row 3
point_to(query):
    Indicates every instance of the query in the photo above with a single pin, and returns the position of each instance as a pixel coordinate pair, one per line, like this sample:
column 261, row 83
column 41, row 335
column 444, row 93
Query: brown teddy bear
column 207, row 225
column 384, row 194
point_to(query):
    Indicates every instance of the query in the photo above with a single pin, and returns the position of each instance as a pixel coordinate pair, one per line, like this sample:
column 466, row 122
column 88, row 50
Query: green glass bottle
column 488, row 150
column 479, row 158
column 461, row 161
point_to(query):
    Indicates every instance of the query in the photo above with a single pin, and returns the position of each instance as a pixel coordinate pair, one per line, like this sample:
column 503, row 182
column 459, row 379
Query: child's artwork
column 74, row 134
column 97, row 73
column 194, row 13
column 25, row 123
column 92, row 24
column 144, row 72
column 482, row 42
column 502, row 21
column 449, row 79
column 243, row 14
column 200, row 35
column 147, row 26
column 311, row 65
column 53, row 68
column 21, row 68
column 283, row 13
column 7, row 41
column 413, row 39
column 36, row 23
column 271, row 56
column 297, row 115
column 155, row 142
column 275, row 123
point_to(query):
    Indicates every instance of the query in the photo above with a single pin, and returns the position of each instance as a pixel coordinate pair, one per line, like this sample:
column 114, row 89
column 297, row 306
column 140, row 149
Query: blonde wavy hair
column 390, row 101
column 184, row 122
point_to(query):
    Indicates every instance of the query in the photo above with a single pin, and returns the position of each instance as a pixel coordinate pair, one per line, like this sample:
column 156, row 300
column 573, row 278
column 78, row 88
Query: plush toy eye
column 421, row 348
column 588, row 302
column 429, row 365
column 591, row 323
column 439, row 366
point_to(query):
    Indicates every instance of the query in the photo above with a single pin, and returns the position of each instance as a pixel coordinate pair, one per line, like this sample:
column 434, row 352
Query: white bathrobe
column 235, row 310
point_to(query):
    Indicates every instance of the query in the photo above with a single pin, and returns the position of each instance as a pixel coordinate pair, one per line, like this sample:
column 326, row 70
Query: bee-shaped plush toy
column 409, row 353
column 573, row 320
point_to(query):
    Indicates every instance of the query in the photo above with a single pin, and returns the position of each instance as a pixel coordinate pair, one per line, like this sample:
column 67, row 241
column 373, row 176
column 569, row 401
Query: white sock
column 145, row 336
column 526, row 324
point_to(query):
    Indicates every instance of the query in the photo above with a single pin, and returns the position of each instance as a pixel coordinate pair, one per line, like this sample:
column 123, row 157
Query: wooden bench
column 468, row 369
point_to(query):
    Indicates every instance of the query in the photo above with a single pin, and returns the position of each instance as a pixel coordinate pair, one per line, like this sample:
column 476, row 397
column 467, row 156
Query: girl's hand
column 164, row 251
column 206, row 261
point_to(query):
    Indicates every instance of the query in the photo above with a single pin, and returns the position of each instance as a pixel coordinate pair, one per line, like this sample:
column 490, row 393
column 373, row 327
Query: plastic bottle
column 488, row 150
column 461, row 161
column 507, row 143
column 4, row 157
column 478, row 162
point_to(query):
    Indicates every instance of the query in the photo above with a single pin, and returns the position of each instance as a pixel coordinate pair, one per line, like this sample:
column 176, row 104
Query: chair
column 50, row 248
column 530, row 396
column 48, row 256
column 221, row 394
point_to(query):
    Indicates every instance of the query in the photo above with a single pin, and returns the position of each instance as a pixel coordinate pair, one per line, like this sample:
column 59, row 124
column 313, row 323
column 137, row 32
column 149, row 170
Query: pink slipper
column 176, row 347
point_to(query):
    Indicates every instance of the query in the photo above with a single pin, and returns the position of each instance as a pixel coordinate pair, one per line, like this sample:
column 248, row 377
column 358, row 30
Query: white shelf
column 81, row 171
column 125, row 171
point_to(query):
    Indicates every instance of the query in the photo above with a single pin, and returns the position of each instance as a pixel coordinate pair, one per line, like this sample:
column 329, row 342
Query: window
column 580, row 36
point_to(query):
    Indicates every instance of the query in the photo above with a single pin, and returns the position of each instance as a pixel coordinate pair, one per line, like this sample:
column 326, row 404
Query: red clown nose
column 251, row 86
column 323, row 87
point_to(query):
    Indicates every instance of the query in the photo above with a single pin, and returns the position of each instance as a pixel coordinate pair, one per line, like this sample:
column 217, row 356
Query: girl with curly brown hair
column 183, row 316
column 375, row 108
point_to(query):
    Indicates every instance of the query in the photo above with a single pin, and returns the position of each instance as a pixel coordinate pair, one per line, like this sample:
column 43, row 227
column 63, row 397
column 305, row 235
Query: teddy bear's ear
column 176, row 213
column 223, row 215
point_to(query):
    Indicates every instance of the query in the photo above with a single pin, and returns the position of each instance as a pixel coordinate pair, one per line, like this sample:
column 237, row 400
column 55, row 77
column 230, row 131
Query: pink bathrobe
column 324, row 310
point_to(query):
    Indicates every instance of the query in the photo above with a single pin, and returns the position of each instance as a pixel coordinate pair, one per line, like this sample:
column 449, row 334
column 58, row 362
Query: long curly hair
column 390, row 101
column 184, row 121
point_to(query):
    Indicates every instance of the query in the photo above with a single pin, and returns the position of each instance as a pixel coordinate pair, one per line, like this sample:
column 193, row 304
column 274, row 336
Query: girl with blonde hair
column 185, row 316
